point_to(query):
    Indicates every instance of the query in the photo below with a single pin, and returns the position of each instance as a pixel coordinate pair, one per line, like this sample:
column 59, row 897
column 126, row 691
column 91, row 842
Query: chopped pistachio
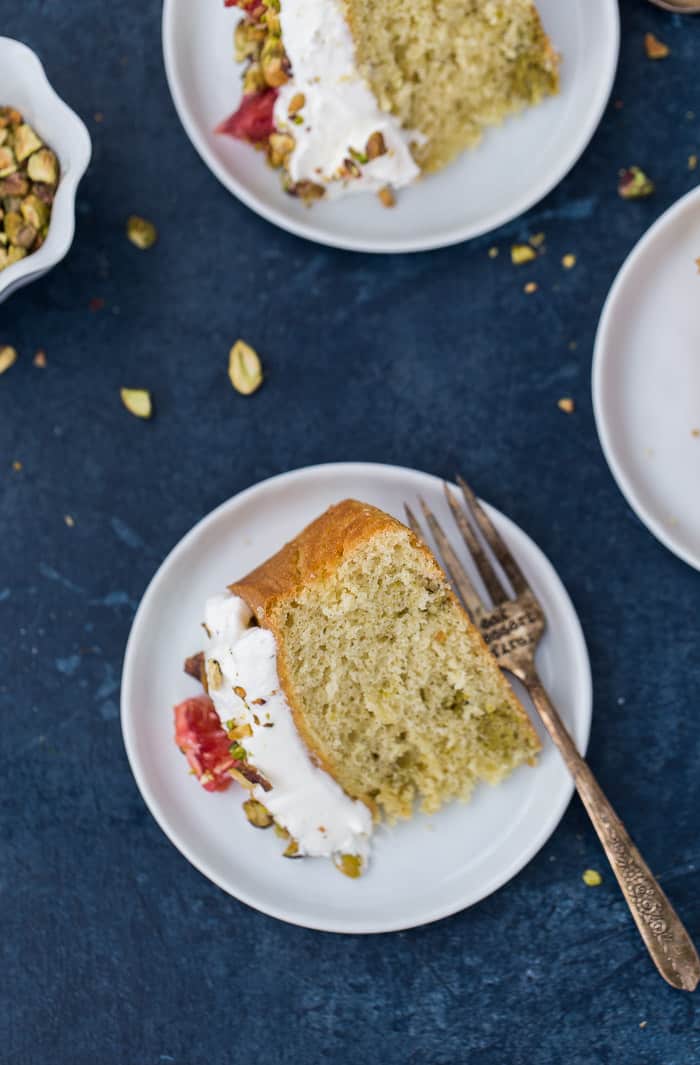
column 247, row 40
column 349, row 864
column 142, row 233
column 360, row 157
column 15, row 253
column 8, row 357
column 292, row 850
column 280, row 145
column 8, row 163
column 14, row 185
column 522, row 253
column 273, row 62
column 239, row 732
column 253, row 80
column 25, row 142
column 43, row 166
column 296, row 103
column 257, row 814
column 592, row 878
column 281, row 832
column 237, row 751
column 20, row 233
column 386, row 197
column 375, row 145
column 244, row 368
column 634, row 184
column 35, row 211
column 215, row 677
column 137, row 401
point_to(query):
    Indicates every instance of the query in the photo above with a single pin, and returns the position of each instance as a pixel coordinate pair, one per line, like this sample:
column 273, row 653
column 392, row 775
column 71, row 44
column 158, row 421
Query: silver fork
column 512, row 628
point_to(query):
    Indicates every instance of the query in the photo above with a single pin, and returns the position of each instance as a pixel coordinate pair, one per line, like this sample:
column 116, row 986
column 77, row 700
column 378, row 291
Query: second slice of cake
column 352, row 685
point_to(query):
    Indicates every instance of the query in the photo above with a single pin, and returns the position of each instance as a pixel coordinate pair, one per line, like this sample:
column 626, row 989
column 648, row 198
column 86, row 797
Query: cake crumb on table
column 655, row 48
column 568, row 261
column 530, row 287
column 566, row 404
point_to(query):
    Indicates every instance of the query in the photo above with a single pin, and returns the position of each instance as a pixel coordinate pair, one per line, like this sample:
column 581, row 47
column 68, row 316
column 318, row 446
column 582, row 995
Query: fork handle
column 667, row 941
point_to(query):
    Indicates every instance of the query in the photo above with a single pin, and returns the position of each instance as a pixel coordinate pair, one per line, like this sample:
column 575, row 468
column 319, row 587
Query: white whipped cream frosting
column 340, row 111
column 304, row 799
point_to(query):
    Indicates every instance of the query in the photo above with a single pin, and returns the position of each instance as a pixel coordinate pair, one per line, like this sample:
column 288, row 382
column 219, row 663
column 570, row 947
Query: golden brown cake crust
column 314, row 553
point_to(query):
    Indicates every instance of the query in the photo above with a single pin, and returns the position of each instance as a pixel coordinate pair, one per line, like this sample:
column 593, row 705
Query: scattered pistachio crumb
column 697, row 263
column 522, row 253
column 537, row 240
column 8, row 357
column 244, row 368
column 137, row 401
column 493, row 253
column 16, row 465
column 592, row 878
column 566, row 404
column 692, row 162
column 634, row 184
column 530, row 287
column 142, row 233
column 655, row 48
column 40, row 359
column 568, row 261
column 69, row 520
column 387, row 197
column 695, row 432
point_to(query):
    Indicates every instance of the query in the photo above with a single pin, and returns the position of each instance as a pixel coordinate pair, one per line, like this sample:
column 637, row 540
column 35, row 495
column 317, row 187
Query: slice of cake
column 346, row 684
column 354, row 95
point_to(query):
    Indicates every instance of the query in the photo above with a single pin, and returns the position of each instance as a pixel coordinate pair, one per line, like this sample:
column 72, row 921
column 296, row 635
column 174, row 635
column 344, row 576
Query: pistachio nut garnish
column 296, row 103
column 142, row 233
column 257, row 814
column 386, row 197
column 215, row 677
column 634, row 184
column 8, row 357
column 244, row 368
column 137, row 401
column 349, row 864
column 375, row 145
column 274, row 63
column 28, row 177
column 292, row 850
column 522, row 253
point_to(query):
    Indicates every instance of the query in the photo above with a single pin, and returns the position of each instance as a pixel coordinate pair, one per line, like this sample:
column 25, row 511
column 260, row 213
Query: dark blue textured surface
column 114, row 950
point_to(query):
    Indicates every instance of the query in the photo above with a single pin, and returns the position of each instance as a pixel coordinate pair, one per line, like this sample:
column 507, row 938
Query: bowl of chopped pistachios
column 44, row 151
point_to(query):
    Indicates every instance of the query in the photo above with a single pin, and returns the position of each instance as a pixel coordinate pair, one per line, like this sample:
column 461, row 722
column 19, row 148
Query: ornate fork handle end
column 662, row 930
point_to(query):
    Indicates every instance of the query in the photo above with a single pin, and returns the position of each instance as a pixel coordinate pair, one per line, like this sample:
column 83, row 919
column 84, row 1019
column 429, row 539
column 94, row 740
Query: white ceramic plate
column 646, row 379
column 514, row 167
column 420, row 870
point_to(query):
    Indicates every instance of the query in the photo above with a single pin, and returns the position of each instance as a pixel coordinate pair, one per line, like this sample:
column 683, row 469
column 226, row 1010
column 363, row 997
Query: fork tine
column 482, row 562
column 493, row 539
column 454, row 568
column 413, row 521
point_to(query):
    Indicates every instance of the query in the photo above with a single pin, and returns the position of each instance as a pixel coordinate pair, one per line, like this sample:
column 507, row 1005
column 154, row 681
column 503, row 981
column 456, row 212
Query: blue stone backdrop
column 114, row 950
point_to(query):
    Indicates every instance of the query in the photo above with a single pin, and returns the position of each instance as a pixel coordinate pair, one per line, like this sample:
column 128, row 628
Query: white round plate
column 420, row 870
column 512, row 169
column 646, row 379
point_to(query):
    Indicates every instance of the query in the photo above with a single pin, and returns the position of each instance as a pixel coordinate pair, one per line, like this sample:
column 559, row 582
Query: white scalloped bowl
column 24, row 85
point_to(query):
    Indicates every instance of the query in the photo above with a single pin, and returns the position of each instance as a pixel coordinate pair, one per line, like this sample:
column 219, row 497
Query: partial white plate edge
column 349, row 927
column 600, row 350
column 313, row 233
